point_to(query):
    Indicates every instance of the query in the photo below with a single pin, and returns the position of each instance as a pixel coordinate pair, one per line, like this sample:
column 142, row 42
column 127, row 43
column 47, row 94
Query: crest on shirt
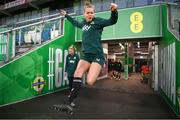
column 92, row 23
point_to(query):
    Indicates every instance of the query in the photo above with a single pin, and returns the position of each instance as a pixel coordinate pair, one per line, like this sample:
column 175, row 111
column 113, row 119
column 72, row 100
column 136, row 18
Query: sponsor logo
column 86, row 27
column 136, row 22
column 71, row 61
column 97, row 59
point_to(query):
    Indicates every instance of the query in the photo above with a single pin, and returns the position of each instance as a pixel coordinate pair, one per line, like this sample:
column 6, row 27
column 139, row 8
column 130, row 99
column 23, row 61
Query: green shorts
column 98, row 58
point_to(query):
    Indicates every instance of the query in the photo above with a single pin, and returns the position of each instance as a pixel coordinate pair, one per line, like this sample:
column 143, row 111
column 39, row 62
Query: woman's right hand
column 63, row 12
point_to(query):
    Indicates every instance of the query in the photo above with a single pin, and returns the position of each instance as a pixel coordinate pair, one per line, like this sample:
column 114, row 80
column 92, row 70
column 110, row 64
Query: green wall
column 167, row 40
column 18, row 77
column 143, row 22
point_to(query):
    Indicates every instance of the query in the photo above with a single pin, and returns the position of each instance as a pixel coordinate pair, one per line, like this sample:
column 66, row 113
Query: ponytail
column 88, row 4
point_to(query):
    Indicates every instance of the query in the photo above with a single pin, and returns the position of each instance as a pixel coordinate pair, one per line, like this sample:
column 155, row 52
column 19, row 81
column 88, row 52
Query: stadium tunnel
column 33, row 50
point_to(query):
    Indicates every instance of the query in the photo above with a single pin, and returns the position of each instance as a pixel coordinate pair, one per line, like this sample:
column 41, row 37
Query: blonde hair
column 72, row 47
column 88, row 4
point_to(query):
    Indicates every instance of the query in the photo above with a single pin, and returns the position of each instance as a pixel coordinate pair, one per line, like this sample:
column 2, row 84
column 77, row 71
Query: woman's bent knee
column 90, row 82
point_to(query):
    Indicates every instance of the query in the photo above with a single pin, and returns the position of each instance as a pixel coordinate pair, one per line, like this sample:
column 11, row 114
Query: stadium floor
column 107, row 99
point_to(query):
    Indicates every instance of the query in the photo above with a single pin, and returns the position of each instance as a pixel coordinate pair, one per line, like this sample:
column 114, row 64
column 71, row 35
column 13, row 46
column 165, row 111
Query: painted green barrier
column 141, row 22
column 37, row 72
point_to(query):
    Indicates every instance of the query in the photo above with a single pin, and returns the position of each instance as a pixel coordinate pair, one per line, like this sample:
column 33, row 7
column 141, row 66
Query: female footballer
column 92, row 59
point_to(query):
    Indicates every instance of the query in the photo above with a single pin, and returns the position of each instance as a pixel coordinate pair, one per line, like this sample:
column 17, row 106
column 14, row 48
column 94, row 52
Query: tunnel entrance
column 125, row 60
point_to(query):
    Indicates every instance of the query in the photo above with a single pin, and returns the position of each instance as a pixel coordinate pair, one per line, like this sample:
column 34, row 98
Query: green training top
column 92, row 31
column 71, row 64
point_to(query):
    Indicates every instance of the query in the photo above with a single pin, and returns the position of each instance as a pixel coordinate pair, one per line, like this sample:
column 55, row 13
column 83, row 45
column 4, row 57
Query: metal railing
column 30, row 33
column 100, row 5
column 18, row 40
column 103, row 5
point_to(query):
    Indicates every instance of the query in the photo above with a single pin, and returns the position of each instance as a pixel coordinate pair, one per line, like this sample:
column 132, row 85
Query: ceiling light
column 144, row 53
column 120, row 53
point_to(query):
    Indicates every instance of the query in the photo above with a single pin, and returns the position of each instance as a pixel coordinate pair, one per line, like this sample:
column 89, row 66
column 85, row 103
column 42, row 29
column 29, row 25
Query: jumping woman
column 92, row 59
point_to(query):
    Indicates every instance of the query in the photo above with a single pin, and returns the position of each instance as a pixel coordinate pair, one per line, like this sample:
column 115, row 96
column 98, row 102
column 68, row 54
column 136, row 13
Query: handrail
column 42, row 21
column 40, row 18
column 47, row 16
